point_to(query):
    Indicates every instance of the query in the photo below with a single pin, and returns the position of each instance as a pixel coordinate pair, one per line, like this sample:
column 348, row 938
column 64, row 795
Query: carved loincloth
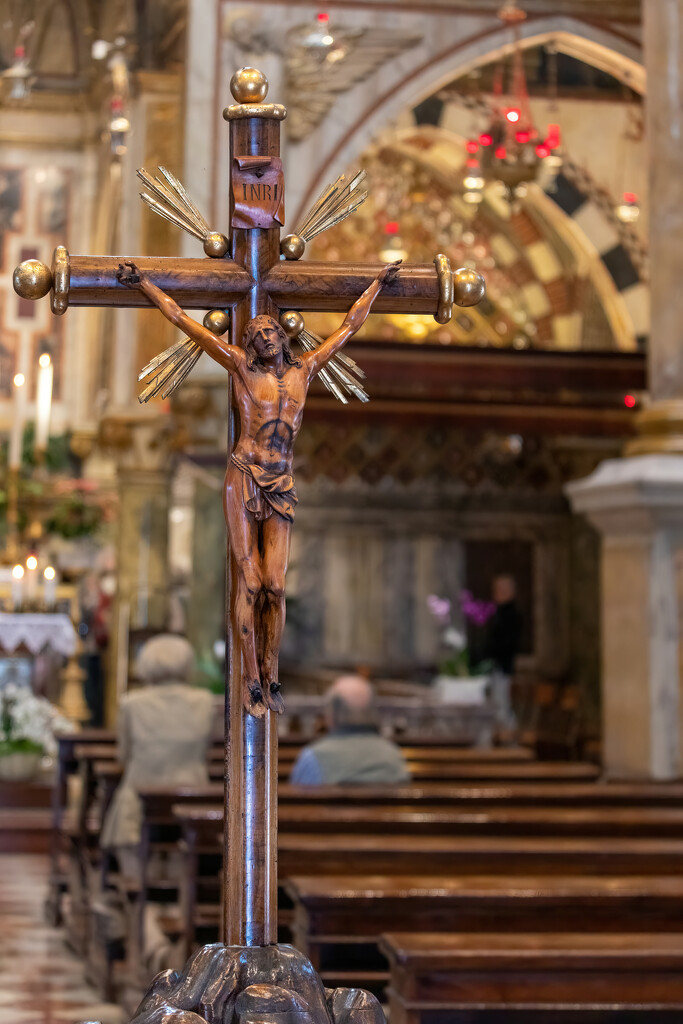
column 265, row 492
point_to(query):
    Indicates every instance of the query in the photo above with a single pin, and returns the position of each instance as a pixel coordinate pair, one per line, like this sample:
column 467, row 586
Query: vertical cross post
column 251, row 750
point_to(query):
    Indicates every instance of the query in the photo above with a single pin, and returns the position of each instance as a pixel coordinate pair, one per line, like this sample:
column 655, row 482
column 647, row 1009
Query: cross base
column 252, row 985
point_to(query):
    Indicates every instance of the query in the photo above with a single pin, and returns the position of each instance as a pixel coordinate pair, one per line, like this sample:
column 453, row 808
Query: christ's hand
column 129, row 275
column 387, row 275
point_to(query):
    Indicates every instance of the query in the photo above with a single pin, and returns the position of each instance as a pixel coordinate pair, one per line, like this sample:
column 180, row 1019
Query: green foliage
column 72, row 516
column 19, row 747
column 209, row 674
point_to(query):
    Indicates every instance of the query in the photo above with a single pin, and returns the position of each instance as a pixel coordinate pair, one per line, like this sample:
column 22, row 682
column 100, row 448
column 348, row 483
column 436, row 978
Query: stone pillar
column 138, row 440
column 637, row 505
column 637, row 502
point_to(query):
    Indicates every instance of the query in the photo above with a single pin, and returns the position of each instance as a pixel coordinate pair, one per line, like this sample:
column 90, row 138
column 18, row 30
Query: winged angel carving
column 321, row 60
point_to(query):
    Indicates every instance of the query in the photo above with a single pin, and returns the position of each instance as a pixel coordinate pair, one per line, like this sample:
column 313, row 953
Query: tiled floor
column 41, row 981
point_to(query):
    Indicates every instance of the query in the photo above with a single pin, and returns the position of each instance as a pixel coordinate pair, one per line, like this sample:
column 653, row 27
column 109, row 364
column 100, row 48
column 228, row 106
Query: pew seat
column 457, row 977
column 338, row 919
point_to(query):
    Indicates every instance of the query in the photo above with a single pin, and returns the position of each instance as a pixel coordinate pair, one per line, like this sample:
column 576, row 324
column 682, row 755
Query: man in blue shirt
column 353, row 752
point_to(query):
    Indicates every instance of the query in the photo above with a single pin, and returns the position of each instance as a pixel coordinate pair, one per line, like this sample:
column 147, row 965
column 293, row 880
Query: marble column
column 637, row 502
column 661, row 425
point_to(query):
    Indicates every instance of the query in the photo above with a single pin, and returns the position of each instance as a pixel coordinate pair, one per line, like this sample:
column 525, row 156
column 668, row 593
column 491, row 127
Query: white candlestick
column 50, row 587
column 31, row 578
column 17, row 586
column 43, row 402
column 18, row 418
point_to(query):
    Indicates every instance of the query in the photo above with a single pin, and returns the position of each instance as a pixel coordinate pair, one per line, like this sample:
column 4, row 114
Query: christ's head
column 264, row 340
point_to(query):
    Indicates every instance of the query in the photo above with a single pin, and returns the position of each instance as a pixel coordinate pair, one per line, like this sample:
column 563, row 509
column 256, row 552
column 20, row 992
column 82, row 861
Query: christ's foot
column 253, row 700
column 274, row 698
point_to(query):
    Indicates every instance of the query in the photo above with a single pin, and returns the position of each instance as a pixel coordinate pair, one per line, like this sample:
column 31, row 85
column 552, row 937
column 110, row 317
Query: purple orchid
column 440, row 607
column 477, row 612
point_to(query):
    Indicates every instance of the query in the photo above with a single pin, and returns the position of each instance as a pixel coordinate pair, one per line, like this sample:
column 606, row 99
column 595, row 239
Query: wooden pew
column 338, row 919
column 532, row 771
column 66, row 765
column 420, row 819
column 441, row 755
column 331, row 852
column 492, row 794
column 453, row 978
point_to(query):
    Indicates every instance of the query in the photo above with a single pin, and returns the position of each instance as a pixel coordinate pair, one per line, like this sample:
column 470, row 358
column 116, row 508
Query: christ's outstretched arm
column 354, row 320
column 228, row 356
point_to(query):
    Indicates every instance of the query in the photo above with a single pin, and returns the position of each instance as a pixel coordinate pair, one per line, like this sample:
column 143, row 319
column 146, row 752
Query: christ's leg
column 276, row 532
column 243, row 534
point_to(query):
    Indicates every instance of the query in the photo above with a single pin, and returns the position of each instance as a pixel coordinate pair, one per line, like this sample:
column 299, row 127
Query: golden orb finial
column 32, row 279
column 216, row 245
column 292, row 323
column 292, row 247
column 217, row 320
column 249, row 85
column 469, row 287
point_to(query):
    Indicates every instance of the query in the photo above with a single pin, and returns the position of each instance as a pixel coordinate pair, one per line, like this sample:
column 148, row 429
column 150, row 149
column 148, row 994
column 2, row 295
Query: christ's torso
column 271, row 409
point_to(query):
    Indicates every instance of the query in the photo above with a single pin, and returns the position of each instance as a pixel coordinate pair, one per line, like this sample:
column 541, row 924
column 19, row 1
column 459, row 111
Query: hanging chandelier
column 510, row 150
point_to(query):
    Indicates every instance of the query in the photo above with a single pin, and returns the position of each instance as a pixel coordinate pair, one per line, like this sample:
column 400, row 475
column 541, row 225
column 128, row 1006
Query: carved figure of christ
column 270, row 385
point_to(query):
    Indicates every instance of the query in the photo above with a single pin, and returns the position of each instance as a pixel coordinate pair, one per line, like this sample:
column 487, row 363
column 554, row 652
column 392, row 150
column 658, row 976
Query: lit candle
column 17, row 586
column 43, row 401
column 31, row 578
column 17, row 433
column 50, row 588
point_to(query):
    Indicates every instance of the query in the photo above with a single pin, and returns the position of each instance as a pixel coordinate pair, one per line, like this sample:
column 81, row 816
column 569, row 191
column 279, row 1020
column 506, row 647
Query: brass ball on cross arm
column 216, row 245
column 469, row 287
column 249, row 85
column 32, row 279
column 292, row 247
column 292, row 323
column 217, row 320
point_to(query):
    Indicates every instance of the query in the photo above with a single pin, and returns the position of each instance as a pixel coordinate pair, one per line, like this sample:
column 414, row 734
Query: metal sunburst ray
column 169, row 369
column 341, row 373
column 335, row 203
column 166, row 196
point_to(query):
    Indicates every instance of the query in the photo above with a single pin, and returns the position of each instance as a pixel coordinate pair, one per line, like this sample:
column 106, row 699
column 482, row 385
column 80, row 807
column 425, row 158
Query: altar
column 33, row 650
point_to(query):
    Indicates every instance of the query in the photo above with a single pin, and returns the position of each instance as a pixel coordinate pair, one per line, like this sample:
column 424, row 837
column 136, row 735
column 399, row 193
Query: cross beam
column 307, row 285
column 246, row 275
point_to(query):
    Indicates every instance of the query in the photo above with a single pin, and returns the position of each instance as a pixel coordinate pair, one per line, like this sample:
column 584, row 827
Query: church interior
column 446, row 785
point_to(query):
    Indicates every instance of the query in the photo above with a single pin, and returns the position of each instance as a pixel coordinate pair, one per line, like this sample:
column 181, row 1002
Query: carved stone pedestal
column 250, row 984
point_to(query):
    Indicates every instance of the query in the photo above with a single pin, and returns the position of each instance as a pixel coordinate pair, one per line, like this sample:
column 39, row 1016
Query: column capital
column 660, row 429
column 137, row 439
column 637, row 495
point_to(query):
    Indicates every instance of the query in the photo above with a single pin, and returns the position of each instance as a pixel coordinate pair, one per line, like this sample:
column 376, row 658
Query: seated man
column 353, row 752
column 164, row 733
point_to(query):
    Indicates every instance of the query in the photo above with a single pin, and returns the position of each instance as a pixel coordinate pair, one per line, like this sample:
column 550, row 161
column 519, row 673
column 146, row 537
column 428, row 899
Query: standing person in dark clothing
column 503, row 642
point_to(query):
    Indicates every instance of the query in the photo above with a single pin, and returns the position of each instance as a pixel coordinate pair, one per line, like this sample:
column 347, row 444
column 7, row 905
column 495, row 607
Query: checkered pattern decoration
column 592, row 210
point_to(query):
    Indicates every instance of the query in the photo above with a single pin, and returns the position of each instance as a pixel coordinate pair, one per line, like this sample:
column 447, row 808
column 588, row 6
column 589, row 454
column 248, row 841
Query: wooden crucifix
column 247, row 287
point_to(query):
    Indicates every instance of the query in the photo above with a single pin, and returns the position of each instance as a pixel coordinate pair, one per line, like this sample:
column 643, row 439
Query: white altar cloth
column 36, row 632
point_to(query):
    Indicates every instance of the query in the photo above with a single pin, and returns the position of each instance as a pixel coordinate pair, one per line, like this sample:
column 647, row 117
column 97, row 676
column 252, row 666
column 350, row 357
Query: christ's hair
column 250, row 332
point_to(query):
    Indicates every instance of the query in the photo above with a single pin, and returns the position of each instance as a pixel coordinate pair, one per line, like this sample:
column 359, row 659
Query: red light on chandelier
column 501, row 152
column 542, row 150
column 630, row 401
column 513, row 115
column 628, row 210
column 485, row 139
column 472, row 146
column 553, row 138
column 391, row 227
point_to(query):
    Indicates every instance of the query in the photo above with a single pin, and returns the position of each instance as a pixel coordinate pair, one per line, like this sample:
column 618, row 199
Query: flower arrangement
column 28, row 723
column 457, row 659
